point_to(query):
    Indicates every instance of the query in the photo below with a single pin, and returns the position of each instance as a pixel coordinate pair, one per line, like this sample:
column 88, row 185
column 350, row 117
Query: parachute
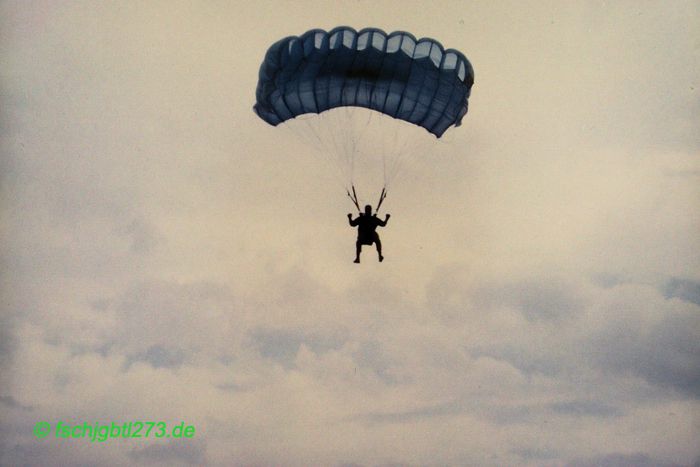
column 414, row 81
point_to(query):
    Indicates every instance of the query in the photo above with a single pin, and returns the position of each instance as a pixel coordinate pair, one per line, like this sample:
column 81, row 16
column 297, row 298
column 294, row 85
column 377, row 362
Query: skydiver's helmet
column 368, row 210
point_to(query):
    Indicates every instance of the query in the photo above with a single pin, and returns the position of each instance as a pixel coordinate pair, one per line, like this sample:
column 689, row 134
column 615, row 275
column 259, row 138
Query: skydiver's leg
column 378, row 243
column 358, row 249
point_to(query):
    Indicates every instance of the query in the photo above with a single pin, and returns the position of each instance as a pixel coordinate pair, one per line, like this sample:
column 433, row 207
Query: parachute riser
column 353, row 198
column 382, row 197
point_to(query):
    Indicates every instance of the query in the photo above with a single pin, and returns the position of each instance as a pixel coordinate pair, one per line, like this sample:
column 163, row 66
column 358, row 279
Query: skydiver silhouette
column 367, row 224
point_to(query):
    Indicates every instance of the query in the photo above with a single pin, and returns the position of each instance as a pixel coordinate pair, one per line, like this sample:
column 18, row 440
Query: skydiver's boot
column 357, row 260
column 381, row 258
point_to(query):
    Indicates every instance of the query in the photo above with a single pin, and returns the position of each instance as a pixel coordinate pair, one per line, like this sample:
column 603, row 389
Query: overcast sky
column 167, row 255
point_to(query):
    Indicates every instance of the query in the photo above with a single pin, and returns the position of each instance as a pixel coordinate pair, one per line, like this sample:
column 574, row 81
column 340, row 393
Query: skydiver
column 367, row 224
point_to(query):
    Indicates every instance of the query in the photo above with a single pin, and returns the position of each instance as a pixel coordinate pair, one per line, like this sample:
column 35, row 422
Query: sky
column 168, row 256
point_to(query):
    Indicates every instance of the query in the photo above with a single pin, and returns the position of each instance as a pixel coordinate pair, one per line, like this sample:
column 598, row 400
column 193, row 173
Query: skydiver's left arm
column 382, row 223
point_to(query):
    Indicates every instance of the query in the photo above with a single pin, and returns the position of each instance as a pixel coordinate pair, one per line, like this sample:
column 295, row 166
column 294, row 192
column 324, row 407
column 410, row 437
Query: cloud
column 159, row 357
column 168, row 323
column 535, row 454
column 683, row 289
column 411, row 415
column 622, row 460
column 28, row 454
column 283, row 345
column 585, row 408
column 12, row 403
column 143, row 236
column 7, row 341
column 180, row 452
column 657, row 341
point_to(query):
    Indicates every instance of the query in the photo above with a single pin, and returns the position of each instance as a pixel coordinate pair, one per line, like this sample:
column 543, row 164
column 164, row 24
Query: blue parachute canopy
column 413, row 80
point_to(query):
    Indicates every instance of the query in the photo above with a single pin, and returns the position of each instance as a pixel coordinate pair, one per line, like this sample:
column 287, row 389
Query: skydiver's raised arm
column 382, row 223
column 353, row 223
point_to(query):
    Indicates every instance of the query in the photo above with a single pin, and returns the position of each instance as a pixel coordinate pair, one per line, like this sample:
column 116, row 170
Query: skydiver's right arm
column 352, row 222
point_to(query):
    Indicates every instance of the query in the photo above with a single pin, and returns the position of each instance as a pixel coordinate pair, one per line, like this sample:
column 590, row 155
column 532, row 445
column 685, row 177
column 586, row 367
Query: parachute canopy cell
column 413, row 80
